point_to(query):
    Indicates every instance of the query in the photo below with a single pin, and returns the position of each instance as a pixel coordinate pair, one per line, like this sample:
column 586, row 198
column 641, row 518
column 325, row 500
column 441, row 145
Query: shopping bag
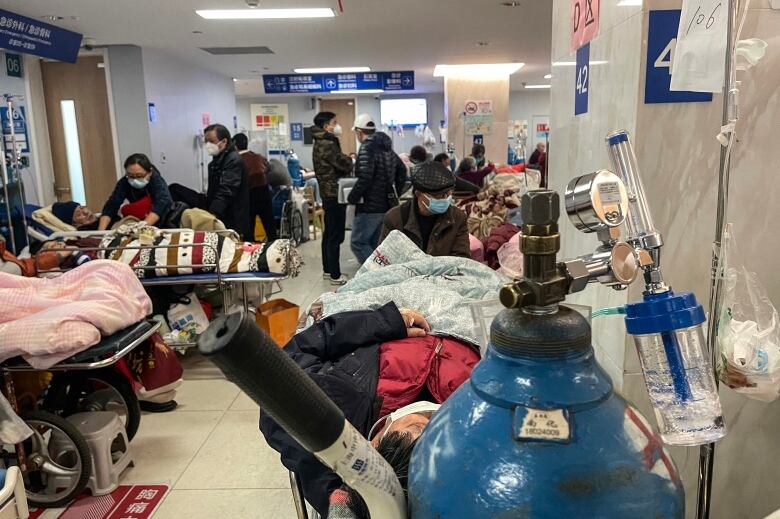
column 279, row 319
column 188, row 314
column 748, row 331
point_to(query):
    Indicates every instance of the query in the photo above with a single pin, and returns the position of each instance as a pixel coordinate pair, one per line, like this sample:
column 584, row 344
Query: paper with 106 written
column 700, row 54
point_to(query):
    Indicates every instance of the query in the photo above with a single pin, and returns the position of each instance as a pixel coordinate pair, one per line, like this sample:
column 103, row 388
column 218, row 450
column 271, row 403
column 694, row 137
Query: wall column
column 459, row 90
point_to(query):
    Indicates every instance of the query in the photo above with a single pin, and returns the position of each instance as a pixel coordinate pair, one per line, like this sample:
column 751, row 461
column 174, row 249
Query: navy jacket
column 157, row 189
column 228, row 192
column 341, row 355
column 381, row 176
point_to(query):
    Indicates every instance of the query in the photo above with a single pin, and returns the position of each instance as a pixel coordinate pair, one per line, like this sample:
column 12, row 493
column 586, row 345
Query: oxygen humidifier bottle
column 669, row 335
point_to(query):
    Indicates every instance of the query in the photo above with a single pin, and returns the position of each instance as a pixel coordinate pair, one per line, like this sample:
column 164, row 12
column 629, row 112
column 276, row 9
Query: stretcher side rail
column 106, row 353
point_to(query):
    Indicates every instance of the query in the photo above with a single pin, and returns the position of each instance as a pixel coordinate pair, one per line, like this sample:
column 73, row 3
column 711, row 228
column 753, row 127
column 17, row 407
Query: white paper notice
column 700, row 53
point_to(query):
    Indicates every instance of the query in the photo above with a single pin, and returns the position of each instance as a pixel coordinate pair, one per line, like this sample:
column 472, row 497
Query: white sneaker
column 325, row 275
column 339, row 281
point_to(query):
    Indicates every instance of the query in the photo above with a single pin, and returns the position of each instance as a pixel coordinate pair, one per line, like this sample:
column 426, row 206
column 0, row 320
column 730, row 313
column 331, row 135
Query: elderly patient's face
column 83, row 216
column 412, row 425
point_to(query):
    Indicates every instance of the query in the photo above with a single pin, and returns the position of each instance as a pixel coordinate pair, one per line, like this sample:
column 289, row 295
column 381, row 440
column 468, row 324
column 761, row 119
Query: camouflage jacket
column 330, row 164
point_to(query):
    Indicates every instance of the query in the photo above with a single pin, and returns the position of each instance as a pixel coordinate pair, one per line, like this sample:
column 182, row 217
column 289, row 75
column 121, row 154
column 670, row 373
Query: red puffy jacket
column 409, row 365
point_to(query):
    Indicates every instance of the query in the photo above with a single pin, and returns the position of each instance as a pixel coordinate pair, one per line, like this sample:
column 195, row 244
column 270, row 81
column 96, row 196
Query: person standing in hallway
column 380, row 178
column 533, row 162
column 227, row 196
column 330, row 164
column 260, row 202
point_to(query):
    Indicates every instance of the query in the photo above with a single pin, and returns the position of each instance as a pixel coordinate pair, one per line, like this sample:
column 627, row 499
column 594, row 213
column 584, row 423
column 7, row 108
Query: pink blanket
column 48, row 320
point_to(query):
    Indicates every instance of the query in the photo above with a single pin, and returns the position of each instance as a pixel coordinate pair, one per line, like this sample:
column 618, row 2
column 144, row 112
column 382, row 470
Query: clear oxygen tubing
column 730, row 116
column 613, row 310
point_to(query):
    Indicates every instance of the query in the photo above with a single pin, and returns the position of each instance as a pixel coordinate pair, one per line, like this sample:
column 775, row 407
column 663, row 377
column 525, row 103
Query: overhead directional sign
column 21, row 34
column 324, row 83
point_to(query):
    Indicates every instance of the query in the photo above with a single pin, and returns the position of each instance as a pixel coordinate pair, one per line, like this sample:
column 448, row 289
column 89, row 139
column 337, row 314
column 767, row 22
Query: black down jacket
column 228, row 192
column 341, row 355
column 381, row 176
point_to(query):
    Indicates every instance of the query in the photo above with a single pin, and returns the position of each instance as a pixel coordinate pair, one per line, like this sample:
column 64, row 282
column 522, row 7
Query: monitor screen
column 406, row 112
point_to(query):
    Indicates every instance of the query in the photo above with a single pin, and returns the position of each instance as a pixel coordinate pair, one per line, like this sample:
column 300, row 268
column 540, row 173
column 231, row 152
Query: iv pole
column 707, row 452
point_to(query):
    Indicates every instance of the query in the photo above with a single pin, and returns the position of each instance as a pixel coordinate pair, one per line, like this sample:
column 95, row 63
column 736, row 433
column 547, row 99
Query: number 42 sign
column 661, row 42
column 582, row 78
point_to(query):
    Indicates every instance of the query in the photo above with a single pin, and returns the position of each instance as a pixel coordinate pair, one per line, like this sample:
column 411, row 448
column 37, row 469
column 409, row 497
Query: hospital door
column 82, row 146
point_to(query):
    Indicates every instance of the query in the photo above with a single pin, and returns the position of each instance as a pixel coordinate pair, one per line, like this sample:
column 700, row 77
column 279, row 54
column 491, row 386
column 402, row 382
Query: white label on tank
column 610, row 193
column 544, row 424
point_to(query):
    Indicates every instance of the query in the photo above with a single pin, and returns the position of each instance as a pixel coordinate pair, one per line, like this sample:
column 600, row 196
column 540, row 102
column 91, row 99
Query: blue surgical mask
column 138, row 183
column 439, row 205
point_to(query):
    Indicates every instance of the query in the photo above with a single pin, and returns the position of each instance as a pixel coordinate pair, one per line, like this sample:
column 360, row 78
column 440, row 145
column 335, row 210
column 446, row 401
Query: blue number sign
column 661, row 40
column 296, row 131
column 323, row 83
column 20, row 128
column 479, row 139
column 582, row 80
column 30, row 36
column 13, row 65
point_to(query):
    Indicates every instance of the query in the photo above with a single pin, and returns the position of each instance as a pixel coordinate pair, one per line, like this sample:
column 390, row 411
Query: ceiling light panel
column 494, row 69
column 264, row 14
column 537, row 86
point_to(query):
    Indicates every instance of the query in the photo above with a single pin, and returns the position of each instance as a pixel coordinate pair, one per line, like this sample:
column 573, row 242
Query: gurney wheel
column 58, row 460
column 99, row 390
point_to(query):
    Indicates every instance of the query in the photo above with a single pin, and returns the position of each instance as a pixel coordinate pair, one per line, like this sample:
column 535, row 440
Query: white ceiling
column 382, row 34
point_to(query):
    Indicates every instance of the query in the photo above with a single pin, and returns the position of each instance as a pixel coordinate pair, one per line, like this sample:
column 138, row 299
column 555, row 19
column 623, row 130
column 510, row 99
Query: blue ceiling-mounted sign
column 582, row 80
column 325, row 83
column 29, row 36
column 661, row 40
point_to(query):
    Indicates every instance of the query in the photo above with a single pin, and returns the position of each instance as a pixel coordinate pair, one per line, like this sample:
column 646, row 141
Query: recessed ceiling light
column 483, row 43
column 234, row 80
column 537, row 86
column 510, row 4
column 264, row 14
column 254, row 71
column 494, row 69
column 548, row 76
column 331, row 70
column 197, row 32
column 626, row 3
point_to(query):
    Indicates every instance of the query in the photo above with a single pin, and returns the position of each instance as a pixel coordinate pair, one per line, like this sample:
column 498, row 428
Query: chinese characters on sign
column 22, row 34
column 323, row 83
column 478, row 117
column 584, row 22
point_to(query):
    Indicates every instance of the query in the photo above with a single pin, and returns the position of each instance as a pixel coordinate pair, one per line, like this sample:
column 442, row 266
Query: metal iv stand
column 14, row 160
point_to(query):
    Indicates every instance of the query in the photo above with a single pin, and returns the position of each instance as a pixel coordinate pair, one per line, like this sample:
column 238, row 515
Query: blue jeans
column 366, row 230
column 316, row 186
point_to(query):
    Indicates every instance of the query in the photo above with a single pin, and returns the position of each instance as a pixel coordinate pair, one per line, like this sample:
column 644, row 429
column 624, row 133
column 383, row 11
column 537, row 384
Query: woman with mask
column 430, row 220
column 145, row 191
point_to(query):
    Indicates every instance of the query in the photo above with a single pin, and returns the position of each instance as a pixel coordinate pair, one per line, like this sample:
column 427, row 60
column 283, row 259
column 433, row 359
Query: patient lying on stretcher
column 42, row 261
column 373, row 364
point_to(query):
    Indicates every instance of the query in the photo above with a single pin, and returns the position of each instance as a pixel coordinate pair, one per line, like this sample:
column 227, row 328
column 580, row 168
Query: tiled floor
column 210, row 450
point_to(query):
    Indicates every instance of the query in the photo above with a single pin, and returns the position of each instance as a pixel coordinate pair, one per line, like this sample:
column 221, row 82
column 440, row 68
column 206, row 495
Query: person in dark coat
column 146, row 192
column 341, row 355
column 260, row 201
column 533, row 162
column 330, row 164
column 228, row 192
column 430, row 220
column 380, row 179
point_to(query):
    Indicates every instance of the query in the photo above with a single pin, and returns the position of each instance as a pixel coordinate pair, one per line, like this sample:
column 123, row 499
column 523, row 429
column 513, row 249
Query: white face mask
column 337, row 130
column 211, row 148
column 414, row 408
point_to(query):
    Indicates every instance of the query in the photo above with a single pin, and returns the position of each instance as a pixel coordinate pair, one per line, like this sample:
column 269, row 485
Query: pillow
column 45, row 217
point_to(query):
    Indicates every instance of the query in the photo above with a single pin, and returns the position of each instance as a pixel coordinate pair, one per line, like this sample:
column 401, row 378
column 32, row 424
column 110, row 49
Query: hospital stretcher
column 57, row 449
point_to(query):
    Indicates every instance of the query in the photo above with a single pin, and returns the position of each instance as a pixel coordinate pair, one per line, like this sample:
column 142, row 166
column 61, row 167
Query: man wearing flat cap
column 430, row 220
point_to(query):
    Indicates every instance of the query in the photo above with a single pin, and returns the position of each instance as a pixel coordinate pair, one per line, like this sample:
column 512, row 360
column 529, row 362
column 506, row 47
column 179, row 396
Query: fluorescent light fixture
column 574, row 63
column 331, row 70
column 537, row 86
column 493, row 69
column 627, row 3
column 548, row 76
column 367, row 91
column 264, row 14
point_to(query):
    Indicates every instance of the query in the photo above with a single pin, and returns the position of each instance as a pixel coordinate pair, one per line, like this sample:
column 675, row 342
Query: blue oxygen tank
column 537, row 431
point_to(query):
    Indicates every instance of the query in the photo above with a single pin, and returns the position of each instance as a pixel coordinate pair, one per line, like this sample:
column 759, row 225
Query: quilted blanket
column 438, row 287
column 49, row 320
column 196, row 252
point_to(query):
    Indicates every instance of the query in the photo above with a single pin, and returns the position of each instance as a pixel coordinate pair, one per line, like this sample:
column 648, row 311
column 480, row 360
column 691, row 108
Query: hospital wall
column 183, row 95
column 522, row 105
column 679, row 157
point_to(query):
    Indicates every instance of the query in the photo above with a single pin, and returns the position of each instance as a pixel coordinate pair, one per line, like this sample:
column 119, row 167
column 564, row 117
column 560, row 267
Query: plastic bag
column 182, row 316
column 748, row 332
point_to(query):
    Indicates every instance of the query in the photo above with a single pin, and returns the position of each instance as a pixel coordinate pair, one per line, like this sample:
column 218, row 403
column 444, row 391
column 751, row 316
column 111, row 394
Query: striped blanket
column 179, row 253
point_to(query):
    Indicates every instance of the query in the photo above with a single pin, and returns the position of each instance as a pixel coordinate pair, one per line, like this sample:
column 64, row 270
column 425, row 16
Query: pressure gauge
column 596, row 201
